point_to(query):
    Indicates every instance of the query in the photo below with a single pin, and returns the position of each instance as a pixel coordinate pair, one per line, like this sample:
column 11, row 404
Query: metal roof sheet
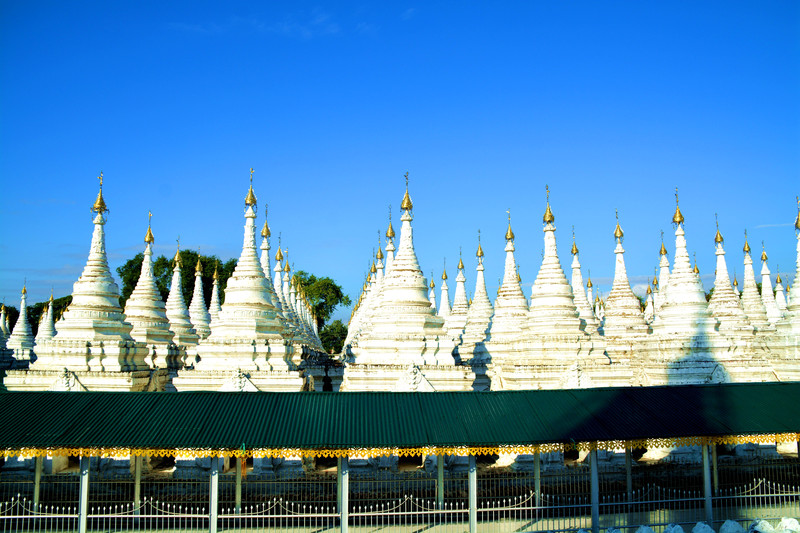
column 313, row 421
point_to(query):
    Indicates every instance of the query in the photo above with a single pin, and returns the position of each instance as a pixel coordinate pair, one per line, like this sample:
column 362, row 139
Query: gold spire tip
column 574, row 248
column 589, row 283
column 460, row 264
column 250, row 199
column 99, row 204
column 548, row 217
column 406, row 204
column 677, row 218
column 216, row 274
column 199, row 268
column 509, row 232
column 265, row 232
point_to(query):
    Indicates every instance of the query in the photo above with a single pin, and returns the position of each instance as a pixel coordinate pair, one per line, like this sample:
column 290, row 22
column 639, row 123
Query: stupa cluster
column 255, row 340
column 562, row 335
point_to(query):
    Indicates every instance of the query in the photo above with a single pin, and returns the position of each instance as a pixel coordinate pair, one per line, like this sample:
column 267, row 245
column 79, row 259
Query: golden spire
column 574, row 246
column 148, row 237
column 763, row 252
column 649, row 290
column 372, row 269
column 24, row 289
column 735, row 281
column 518, row 276
column 177, row 257
column 406, row 204
column 797, row 220
column 432, row 285
column 777, row 280
column 548, row 217
column 199, row 267
column 286, row 266
column 718, row 237
column 250, row 199
column 677, row 218
column 655, row 282
column 99, row 204
column 589, row 284
column 746, row 244
column 51, row 292
column 460, row 261
column 509, row 233
column 390, row 229
column 479, row 253
column 279, row 253
column 379, row 255
column 618, row 233
column 216, row 274
column 695, row 269
column 444, row 275
column 663, row 250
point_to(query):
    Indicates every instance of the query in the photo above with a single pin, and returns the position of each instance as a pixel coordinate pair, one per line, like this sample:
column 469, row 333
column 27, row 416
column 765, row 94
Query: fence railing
column 500, row 501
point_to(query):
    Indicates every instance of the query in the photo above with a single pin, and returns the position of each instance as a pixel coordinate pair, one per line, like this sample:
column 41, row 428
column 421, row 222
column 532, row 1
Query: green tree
column 333, row 336
column 162, row 272
column 36, row 311
column 323, row 294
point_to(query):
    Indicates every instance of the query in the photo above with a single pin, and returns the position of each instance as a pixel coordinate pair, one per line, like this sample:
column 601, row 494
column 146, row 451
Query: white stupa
column 585, row 312
column 180, row 323
column 198, row 314
column 752, row 304
column 510, row 307
column 479, row 315
column 93, row 348
column 215, row 306
column 47, row 328
column 684, row 309
column 246, row 349
column 790, row 324
column 457, row 319
column 552, row 308
column 663, row 276
column 146, row 312
column 622, row 312
column 21, row 340
column 767, row 296
column 725, row 304
column 444, row 299
column 780, row 296
column 649, row 307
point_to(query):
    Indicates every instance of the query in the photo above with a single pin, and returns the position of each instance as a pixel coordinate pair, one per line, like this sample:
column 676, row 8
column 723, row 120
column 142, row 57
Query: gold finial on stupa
column 655, row 282
column 797, row 220
column 763, row 252
column 735, row 281
column 216, row 274
column 746, row 244
column 279, row 253
column 718, row 237
column 265, row 231
column 199, row 267
column 777, row 279
column 372, row 268
column 148, row 237
column 286, row 266
column 444, row 269
column 432, row 284
column 677, row 218
column 479, row 253
column 460, row 261
column 649, row 290
column 99, row 204
column 24, row 289
column 618, row 233
column 250, row 199
column 695, row 269
column 177, row 257
column 574, row 246
column 390, row 229
column 519, row 279
column 379, row 255
column 406, row 204
column 589, row 284
column 509, row 232
column 548, row 217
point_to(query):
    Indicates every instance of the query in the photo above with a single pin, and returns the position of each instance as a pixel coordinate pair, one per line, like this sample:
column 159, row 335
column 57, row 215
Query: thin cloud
column 774, row 225
column 305, row 26
column 409, row 13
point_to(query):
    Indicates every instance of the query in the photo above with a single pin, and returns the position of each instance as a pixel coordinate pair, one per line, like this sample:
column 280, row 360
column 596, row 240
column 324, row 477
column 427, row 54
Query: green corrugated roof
column 314, row 421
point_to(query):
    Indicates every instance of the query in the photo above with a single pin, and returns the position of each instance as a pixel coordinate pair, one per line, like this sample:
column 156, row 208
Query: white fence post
column 137, row 481
column 707, row 488
column 473, row 495
column 213, row 495
column 440, row 481
column 714, row 471
column 595, row 489
column 537, row 477
column 38, row 462
column 238, row 503
column 343, row 472
column 83, row 498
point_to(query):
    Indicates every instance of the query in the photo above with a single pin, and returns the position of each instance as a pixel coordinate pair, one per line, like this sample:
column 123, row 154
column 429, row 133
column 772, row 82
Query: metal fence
column 502, row 500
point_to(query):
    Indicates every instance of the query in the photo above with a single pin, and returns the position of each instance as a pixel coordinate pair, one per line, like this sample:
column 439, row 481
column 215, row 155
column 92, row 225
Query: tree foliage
column 163, row 270
column 323, row 294
column 333, row 336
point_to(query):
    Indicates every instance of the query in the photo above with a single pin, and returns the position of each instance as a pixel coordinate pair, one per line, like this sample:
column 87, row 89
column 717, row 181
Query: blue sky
column 613, row 104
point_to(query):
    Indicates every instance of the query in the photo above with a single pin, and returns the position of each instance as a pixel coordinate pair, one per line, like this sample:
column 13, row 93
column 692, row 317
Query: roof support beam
column 473, row 495
column 709, row 509
column 213, row 495
column 37, row 480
